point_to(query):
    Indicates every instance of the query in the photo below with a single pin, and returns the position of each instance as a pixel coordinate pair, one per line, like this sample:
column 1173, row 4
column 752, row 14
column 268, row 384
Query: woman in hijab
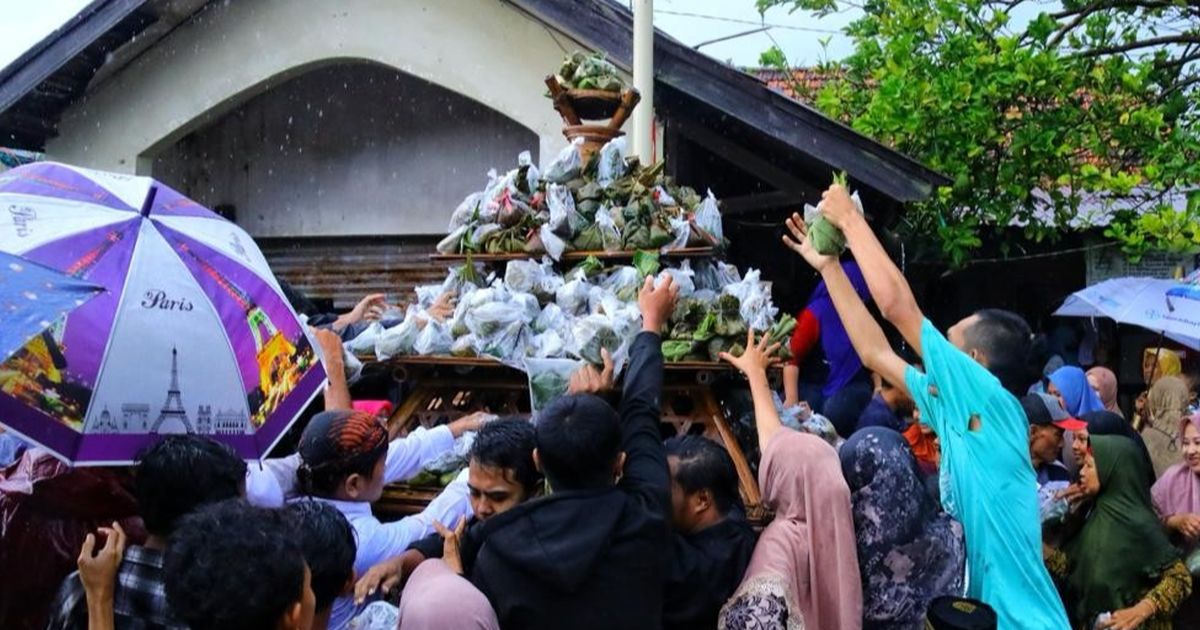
column 1109, row 423
column 1104, row 383
column 1120, row 562
column 1166, row 406
column 909, row 552
column 1157, row 363
column 804, row 570
column 437, row 598
column 1177, row 499
column 1071, row 386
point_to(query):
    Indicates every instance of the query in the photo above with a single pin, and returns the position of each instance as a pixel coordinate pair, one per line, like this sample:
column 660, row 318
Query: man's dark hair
column 1007, row 341
column 233, row 566
column 578, row 440
column 705, row 465
column 327, row 540
column 508, row 444
column 182, row 473
column 338, row 444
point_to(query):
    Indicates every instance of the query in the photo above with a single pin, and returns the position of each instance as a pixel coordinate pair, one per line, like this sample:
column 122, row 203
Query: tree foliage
column 1083, row 116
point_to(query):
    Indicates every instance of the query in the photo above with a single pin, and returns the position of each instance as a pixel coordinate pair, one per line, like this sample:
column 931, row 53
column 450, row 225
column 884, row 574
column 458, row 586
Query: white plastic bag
column 566, row 166
column 612, row 162
column 434, row 339
column 610, row 235
column 352, row 367
column 625, row 282
column 755, row 297
column 708, row 218
column 509, row 344
column 365, row 341
column 545, row 345
column 399, row 341
column 572, row 298
column 683, row 277
column 548, row 380
column 450, row 244
column 550, row 319
column 554, row 245
column 589, row 335
column 465, row 211
column 464, row 346
column 663, row 197
column 565, row 220
column 486, row 320
column 532, row 175
column 681, row 233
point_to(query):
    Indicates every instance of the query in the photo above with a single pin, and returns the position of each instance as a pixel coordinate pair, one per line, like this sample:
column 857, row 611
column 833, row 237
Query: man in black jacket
column 713, row 541
column 593, row 553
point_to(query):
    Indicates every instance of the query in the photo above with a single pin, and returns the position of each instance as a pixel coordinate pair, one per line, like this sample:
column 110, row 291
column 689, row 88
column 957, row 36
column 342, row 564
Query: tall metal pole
column 643, row 79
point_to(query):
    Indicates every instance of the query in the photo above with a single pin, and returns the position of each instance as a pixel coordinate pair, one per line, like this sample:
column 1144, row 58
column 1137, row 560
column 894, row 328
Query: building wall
column 348, row 149
column 484, row 50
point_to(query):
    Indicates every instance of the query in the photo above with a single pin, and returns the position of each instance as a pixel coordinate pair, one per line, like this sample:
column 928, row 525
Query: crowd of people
column 964, row 495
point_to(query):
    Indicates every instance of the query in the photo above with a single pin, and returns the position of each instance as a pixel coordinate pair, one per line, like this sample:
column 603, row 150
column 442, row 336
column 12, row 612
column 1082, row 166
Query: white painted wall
column 348, row 149
column 482, row 49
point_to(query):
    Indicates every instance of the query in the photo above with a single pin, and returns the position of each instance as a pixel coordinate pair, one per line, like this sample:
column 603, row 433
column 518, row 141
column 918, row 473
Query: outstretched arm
column 888, row 287
column 754, row 363
column 865, row 334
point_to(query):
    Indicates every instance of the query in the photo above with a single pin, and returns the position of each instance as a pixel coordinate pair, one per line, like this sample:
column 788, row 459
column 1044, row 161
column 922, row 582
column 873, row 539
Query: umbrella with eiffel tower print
column 192, row 335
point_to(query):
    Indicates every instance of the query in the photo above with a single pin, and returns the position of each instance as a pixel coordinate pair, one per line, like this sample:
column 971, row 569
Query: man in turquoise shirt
column 987, row 481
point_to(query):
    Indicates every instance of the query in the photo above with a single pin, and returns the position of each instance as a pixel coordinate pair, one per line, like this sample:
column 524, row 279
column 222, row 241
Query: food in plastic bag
column 825, row 238
column 399, row 341
column 566, row 166
column 610, row 234
column 463, row 347
column 572, row 297
column 708, row 218
column 611, row 166
column 364, row 343
column 625, row 283
column 646, row 262
column 551, row 318
column 466, row 212
column 378, row 615
column 351, row 366
column 677, row 349
column 1051, row 508
column 663, row 197
column 529, row 302
column 532, row 174
column 487, row 319
column 452, row 244
column 681, row 233
column 548, row 380
column 547, row 345
column 592, row 333
column 682, row 276
column 433, row 339
column 755, row 298
column 564, row 221
column 532, row 277
column 554, row 246
column 509, row 344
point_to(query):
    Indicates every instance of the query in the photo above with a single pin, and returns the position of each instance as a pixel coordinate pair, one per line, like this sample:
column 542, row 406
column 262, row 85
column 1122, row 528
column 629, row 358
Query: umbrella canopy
column 193, row 334
column 32, row 298
column 1170, row 307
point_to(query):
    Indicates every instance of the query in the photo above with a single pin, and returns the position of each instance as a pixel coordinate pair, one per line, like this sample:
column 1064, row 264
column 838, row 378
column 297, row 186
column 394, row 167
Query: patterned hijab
column 1121, row 548
column 909, row 552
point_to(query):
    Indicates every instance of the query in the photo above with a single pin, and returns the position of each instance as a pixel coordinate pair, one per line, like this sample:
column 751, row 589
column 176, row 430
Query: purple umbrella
column 193, row 334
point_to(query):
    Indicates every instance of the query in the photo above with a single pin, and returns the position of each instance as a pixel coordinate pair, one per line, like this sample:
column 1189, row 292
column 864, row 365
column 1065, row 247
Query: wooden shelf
column 686, row 252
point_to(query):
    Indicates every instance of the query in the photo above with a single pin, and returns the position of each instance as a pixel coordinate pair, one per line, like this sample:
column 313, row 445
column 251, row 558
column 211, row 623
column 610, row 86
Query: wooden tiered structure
column 446, row 388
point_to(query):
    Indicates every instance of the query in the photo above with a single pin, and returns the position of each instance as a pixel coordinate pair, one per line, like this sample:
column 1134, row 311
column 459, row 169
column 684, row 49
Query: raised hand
column 837, row 207
column 656, row 302
column 757, row 356
column 451, row 553
column 801, row 244
column 98, row 569
column 590, row 380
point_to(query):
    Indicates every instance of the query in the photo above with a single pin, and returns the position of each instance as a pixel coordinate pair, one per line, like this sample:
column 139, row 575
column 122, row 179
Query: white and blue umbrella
column 1168, row 307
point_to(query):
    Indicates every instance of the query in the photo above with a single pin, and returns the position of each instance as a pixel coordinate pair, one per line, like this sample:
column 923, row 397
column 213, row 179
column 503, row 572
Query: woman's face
column 1149, row 362
column 1089, row 478
column 1190, row 442
column 1079, row 445
column 1053, row 391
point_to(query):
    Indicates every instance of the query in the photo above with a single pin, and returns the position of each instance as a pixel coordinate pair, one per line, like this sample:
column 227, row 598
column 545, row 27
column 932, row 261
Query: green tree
column 1087, row 102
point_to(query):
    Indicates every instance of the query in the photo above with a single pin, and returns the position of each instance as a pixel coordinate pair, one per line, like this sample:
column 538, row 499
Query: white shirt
column 379, row 541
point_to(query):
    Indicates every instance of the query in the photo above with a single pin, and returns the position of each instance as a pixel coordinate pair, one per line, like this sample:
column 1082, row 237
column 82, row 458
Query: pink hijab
column 810, row 544
column 1177, row 491
column 1106, row 387
column 437, row 598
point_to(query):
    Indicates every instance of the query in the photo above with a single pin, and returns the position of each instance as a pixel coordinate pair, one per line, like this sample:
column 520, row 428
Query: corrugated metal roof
column 346, row 269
